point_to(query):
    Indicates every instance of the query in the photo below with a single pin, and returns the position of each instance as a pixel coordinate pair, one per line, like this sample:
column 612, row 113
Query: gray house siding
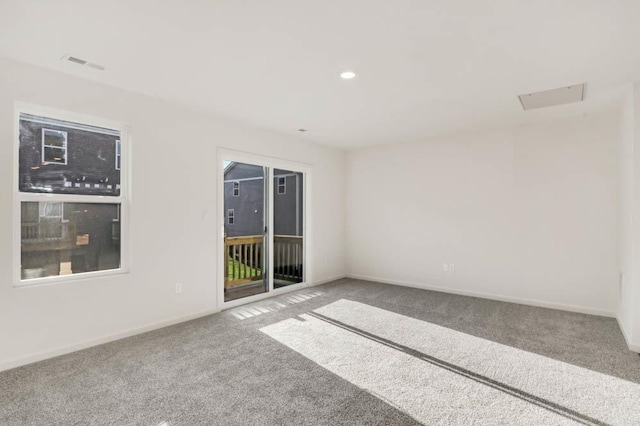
column 288, row 207
column 90, row 167
column 248, row 206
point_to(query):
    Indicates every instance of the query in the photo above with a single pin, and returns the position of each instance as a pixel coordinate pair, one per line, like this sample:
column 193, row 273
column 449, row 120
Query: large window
column 70, row 198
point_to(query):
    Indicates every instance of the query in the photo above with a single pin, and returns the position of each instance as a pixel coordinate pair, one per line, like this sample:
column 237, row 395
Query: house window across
column 282, row 185
column 118, row 155
column 236, row 189
column 54, row 147
column 69, row 190
column 50, row 211
column 231, row 216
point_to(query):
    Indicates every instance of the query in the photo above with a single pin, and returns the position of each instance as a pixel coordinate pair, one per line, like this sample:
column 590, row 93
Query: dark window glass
column 288, row 239
column 61, row 157
column 282, row 185
column 54, row 138
column 68, row 238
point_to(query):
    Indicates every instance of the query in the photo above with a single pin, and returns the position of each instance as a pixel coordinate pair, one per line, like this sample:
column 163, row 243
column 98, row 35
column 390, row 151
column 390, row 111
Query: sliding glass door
column 245, row 195
column 263, row 248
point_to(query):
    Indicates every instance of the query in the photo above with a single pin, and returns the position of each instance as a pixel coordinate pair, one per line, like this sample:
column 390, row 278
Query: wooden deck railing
column 243, row 263
column 287, row 258
column 245, row 256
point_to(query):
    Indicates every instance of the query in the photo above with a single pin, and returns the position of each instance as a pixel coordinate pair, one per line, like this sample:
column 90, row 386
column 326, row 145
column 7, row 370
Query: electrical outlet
column 178, row 288
column 445, row 267
column 452, row 267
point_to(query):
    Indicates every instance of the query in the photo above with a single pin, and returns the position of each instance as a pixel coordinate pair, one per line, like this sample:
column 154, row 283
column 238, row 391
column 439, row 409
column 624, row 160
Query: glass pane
column 61, row 157
column 54, row 138
column 54, row 155
column 288, row 238
column 244, row 248
column 68, row 238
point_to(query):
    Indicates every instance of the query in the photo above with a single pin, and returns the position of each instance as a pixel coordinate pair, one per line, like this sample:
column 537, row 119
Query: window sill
column 62, row 279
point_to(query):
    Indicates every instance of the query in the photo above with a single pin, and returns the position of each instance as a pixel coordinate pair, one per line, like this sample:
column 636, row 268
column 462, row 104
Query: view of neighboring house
column 244, row 201
column 245, row 222
column 63, row 158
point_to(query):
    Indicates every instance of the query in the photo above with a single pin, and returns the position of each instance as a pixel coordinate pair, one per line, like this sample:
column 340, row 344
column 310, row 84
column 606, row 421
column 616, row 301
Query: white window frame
column 19, row 197
column 273, row 163
column 231, row 217
column 64, row 148
column 236, row 187
column 282, row 185
column 118, row 154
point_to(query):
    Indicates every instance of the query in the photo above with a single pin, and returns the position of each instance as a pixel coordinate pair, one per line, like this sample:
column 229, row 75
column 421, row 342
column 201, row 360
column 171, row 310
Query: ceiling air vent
column 82, row 62
column 76, row 60
column 547, row 98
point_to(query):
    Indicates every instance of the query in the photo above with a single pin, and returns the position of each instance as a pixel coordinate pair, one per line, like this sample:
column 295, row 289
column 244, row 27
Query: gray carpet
column 246, row 366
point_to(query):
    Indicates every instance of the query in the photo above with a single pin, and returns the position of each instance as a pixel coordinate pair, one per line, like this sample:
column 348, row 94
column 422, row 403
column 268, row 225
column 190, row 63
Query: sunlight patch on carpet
column 441, row 376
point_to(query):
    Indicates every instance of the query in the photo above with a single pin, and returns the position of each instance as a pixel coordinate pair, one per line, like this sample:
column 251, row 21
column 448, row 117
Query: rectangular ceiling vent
column 82, row 62
column 547, row 98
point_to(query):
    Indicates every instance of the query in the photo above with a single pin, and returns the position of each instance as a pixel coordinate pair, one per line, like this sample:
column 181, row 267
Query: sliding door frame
column 272, row 163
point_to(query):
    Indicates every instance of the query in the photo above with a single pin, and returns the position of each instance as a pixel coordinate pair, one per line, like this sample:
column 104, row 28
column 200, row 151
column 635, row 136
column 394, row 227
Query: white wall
column 629, row 232
column 174, row 170
column 526, row 214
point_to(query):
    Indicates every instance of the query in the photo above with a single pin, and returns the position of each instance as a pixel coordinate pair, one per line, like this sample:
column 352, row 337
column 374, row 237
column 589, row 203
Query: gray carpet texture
column 348, row 352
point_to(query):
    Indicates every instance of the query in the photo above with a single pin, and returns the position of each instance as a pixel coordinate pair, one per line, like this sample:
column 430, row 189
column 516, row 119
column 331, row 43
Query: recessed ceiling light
column 348, row 75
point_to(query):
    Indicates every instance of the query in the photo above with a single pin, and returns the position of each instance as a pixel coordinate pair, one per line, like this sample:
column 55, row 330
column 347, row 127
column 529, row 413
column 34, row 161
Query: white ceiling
column 424, row 67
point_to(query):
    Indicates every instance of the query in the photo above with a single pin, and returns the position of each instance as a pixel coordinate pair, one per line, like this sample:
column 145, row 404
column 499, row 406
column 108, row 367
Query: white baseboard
column 328, row 280
column 632, row 346
column 40, row 356
column 18, row 362
column 490, row 296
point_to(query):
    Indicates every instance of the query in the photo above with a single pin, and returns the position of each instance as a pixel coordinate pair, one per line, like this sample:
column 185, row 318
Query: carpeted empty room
column 319, row 213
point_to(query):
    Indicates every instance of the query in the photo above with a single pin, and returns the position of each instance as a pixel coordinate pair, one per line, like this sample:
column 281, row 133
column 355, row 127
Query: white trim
column 490, row 296
column 62, row 350
column 632, row 346
column 124, row 198
column 58, row 279
column 328, row 280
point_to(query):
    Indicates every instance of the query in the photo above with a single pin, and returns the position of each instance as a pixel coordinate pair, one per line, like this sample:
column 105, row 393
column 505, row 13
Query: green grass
column 238, row 270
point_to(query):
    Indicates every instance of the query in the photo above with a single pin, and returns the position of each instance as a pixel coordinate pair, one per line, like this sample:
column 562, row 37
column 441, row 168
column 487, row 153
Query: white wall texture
column 172, row 240
column 629, row 232
column 527, row 214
